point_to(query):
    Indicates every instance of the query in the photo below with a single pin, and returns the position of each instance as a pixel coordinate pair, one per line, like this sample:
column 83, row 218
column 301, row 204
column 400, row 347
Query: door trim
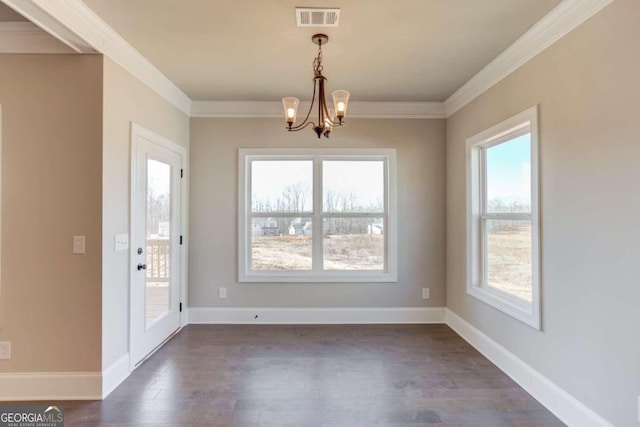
column 137, row 131
column 1, row 302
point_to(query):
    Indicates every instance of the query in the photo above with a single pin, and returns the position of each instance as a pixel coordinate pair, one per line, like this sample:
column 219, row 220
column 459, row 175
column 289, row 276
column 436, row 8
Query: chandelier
column 326, row 118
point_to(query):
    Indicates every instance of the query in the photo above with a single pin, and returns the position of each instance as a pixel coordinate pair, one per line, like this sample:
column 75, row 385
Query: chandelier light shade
column 290, row 109
column 340, row 103
column 327, row 118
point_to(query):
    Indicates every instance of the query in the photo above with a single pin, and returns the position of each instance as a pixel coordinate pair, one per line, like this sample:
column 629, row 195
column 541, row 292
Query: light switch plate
column 426, row 294
column 78, row 244
column 121, row 242
column 5, row 350
column 222, row 293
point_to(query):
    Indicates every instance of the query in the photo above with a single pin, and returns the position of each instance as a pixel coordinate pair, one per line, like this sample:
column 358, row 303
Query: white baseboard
column 114, row 375
column 559, row 402
column 307, row 316
column 50, row 386
column 184, row 317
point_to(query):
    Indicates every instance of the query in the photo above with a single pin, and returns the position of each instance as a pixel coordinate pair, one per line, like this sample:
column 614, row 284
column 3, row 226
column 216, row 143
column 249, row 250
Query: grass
column 509, row 249
column 341, row 252
column 509, row 255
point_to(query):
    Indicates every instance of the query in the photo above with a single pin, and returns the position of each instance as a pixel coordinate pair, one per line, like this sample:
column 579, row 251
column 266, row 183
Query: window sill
column 328, row 277
column 515, row 307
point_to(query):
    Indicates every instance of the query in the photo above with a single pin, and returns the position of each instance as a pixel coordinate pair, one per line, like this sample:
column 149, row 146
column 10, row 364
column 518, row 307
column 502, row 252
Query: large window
column 317, row 216
column 502, row 213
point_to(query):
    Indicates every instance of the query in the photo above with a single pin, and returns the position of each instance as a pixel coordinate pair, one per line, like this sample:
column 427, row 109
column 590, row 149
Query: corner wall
column 213, row 261
column 52, row 190
column 588, row 89
column 126, row 99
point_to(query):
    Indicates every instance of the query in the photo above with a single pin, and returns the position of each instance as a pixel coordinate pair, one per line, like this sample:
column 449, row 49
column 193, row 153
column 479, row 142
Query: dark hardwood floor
column 356, row 375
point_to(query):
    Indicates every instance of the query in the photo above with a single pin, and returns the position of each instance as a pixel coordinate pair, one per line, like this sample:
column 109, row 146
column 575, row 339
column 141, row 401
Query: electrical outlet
column 222, row 292
column 78, row 245
column 5, row 350
column 426, row 294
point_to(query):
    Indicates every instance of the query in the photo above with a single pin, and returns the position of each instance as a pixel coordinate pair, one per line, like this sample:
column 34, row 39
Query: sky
column 508, row 175
column 159, row 176
column 364, row 178
column 270, row 178
column 509, row 170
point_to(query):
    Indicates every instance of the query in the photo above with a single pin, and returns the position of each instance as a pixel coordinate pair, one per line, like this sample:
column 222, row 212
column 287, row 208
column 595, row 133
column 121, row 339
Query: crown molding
column 357, row 109
column 556, row 24
column 75, row 24
column 25, row 37
column 48, row 22
column 396, row 110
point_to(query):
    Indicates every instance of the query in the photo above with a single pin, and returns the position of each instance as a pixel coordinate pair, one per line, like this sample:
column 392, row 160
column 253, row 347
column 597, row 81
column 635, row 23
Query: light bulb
column 290, row 112
column 340, row 107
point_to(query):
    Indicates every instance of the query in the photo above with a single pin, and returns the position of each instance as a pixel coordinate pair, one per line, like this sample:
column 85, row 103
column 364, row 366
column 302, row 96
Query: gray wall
column 420, row 148
column 126, row 99
column 587, row 88
column 51, row 191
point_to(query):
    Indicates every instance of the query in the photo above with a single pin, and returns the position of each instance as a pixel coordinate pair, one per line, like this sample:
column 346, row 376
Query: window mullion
column 317, row 240
column 515, row 216
column 483, row 181
column 484, row 273
column 248, row 220
column 483, row 225
column 353, row 214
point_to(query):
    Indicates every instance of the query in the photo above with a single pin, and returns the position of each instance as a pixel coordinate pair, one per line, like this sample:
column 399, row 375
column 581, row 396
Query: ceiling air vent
column 317, row 17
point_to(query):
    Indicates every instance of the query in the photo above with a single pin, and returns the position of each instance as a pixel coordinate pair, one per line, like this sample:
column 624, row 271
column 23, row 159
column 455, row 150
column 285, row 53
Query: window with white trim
column 325, row 215
column 503, row 261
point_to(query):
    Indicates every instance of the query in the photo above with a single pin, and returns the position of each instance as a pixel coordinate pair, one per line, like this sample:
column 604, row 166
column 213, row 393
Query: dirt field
column 354, row 252
column 509, row 255
column 509, row 250
column 281, row 253
column 341, row 252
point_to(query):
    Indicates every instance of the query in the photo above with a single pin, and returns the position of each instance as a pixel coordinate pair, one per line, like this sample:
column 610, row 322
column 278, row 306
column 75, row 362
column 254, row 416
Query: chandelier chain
column 317, row 62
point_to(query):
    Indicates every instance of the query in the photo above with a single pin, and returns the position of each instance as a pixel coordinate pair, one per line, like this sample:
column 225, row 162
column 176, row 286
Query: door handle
column 142, row 267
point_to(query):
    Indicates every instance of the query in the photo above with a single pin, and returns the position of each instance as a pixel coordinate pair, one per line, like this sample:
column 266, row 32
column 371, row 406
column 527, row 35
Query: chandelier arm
column 313, row 99
column 328, row 116
column 321, row 103
column 326, row 112
column 301, row 126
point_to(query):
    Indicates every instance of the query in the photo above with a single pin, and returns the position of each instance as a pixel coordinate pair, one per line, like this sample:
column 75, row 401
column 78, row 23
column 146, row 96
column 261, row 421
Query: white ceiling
column 384, row 50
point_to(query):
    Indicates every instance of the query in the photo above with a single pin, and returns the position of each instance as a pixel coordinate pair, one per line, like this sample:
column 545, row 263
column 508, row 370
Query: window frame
column 521, row 124
column 317, row 215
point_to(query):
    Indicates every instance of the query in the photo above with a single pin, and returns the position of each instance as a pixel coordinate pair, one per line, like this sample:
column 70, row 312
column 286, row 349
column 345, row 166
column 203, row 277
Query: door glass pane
column 353, row 244
column 281, row 243
column 509, row 256
column 353, row 186
column 282, row 186
column 509, row 176
column 158, row 239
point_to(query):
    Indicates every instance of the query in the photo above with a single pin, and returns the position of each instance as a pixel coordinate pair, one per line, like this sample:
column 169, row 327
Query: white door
column 156, row 242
